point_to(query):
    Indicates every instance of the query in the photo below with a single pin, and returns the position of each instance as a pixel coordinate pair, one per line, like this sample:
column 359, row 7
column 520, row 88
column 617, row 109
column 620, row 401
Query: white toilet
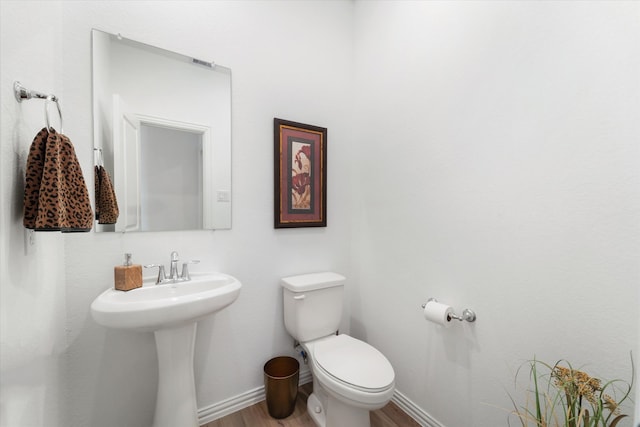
column 350, row 377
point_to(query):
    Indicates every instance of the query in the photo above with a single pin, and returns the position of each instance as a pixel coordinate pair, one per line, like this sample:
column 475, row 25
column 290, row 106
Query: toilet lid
column 354, row 362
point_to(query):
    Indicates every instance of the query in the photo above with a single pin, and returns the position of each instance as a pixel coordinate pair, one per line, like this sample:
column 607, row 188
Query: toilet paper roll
column 438, row 313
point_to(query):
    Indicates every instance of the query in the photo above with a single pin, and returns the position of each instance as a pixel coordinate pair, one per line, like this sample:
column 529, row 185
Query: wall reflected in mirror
column 162, row 123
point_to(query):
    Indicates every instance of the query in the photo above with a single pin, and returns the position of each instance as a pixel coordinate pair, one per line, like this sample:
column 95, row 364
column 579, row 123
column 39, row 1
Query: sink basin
column 154, row 307
column 171, row 311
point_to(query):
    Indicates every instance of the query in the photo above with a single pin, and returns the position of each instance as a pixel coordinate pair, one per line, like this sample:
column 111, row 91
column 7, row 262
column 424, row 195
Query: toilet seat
column 352, row 371
column 354, row 363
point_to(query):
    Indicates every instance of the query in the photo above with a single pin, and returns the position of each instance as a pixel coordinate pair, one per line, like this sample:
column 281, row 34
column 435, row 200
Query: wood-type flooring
column 258, row 416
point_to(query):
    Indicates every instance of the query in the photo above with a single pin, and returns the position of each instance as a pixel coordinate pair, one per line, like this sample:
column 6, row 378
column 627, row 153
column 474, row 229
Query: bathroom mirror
column 162, row 132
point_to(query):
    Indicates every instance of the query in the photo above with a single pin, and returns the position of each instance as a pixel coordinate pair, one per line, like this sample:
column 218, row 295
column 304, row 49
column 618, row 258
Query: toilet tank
column 312, row 304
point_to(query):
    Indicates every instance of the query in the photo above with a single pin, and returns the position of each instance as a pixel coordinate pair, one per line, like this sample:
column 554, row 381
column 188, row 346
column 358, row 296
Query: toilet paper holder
column 467, row 314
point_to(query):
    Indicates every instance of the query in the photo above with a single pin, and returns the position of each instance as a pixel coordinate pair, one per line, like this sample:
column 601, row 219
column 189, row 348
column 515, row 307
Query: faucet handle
column 161, row 274
column 174, row 256
column 185, row 269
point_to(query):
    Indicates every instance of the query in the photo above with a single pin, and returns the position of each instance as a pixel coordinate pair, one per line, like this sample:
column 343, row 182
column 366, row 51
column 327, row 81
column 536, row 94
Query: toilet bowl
column 350, row 377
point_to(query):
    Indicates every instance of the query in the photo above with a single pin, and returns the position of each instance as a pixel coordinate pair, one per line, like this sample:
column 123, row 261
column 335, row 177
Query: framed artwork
column 300, row 175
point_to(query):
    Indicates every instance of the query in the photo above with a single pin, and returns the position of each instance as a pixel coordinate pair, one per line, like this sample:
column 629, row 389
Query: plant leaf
column 616, row 420
column 535, row 382
column 583, row 420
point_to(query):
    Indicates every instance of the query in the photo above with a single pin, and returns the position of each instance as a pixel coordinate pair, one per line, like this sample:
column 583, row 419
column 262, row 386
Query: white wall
column 284, row 65
column 32, row 289
column 491, row 162
column 498, row 153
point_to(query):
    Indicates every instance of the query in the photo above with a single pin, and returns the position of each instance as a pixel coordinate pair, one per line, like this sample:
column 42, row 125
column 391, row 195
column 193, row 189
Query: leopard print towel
column 106, row 203
column 55, row 194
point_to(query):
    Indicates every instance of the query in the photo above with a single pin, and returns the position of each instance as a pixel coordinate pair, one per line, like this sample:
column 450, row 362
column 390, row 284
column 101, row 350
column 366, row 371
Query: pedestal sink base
column 171, row 311
column 176, row 402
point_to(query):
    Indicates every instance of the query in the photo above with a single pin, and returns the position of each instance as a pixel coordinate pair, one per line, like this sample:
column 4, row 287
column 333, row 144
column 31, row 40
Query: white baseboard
column 241, row 401
column 305, row 377
column 251, row 397
column 414, row 411
column 231, row 405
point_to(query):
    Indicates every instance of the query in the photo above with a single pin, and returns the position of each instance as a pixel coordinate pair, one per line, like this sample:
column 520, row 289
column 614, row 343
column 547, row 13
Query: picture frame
column 300, row 174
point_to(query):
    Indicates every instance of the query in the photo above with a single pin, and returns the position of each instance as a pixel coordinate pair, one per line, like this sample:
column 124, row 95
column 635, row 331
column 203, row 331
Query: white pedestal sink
column 171, row 311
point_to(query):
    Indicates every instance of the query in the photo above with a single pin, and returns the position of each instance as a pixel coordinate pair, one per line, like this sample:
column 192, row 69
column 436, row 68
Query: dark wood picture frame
column 300, row 175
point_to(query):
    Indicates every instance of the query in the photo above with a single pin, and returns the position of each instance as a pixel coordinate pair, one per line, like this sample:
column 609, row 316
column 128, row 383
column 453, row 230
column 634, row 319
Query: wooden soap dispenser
column 127, row 276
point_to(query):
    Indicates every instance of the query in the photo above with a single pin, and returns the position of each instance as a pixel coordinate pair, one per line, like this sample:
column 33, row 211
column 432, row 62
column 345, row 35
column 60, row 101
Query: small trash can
column 281, row 385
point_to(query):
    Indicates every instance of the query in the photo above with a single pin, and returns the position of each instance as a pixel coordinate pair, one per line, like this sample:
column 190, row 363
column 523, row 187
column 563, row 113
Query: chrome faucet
column 173, row 270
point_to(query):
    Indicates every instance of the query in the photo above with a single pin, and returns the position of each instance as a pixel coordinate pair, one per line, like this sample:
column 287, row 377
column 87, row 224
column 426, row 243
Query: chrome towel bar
column 22, row 92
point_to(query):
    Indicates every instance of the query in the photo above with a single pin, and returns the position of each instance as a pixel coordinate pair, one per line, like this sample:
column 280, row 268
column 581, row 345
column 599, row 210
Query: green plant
column 566, row 397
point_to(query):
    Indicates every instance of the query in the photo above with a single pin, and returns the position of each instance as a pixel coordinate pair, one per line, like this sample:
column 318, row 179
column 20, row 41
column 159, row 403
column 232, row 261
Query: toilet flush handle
column 299, row 297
